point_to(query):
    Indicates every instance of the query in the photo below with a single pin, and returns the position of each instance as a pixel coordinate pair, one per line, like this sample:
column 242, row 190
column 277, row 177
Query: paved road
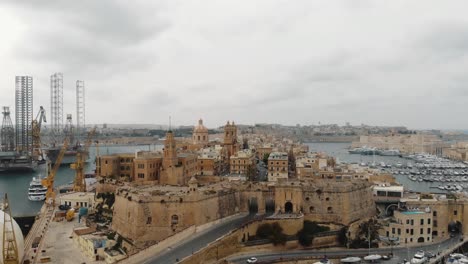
column 197, row 242
column 400, row 253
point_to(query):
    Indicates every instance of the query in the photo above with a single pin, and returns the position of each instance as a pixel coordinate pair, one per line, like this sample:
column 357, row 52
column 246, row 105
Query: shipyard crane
column 78, row 166
column 36, row 134
column 10, row 249
column 48, row 182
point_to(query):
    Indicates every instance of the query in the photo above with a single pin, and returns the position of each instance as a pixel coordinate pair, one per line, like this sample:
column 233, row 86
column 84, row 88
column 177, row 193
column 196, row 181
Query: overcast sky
column 373, row 62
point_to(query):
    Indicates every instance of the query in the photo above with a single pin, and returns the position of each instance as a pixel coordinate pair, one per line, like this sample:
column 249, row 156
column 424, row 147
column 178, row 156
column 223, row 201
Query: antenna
column 170, row 128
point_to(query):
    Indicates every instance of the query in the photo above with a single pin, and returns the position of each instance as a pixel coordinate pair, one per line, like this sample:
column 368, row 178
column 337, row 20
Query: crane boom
column 10, row 249
column 80, row 182
column 48, row 182
column 36, row 134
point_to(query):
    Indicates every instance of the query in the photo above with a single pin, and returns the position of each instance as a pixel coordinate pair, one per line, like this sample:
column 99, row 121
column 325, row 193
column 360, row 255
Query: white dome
column 18, row 236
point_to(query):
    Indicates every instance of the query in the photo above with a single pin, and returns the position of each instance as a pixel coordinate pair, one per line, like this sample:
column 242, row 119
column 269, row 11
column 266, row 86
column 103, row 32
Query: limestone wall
column 155, row 220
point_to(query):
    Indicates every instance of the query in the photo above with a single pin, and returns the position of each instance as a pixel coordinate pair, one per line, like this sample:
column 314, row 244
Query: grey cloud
column 94, row 37
column 444, row 42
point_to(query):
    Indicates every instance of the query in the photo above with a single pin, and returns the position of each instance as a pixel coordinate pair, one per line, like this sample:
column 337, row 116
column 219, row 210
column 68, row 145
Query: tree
column 251, row 173
column 342, row 236
column 272, row 232
column 306, row 235
column 265, row 158
column 368, row 229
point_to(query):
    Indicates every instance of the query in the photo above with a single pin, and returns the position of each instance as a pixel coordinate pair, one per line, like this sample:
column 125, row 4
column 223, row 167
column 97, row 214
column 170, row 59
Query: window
column 407, row 231
column 174, row 219
column 421, row 231
column 407, row 221
column 141, row 166
column 327, row 199
column 148, row 220
column 311, row 209
column 412, row 221
column 434, row 213
column 141, row 175
column 422, row 221
column 330, row 209
column 393, row 230
column 428, row 221
column 428, row 231
column 434, row 223
column 399, row 231
column 455, row 212
column 411, row 232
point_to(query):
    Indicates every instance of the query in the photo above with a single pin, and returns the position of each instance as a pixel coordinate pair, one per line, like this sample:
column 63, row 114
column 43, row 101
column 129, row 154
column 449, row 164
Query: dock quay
column 50, row 238
column 37, row 231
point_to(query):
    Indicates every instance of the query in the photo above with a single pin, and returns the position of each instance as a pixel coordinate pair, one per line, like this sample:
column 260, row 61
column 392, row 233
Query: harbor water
column 340, row 151
column 16, row 184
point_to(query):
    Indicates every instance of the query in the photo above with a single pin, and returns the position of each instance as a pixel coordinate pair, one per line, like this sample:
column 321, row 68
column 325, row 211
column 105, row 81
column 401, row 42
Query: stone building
column 210, row 161
column 116, row 166
column 147, row 167
column 242, row 161
column 277, row 166
column 263, row 150
column 171, row 168
column 410, row 226
column 157, row 212
column 200, row 134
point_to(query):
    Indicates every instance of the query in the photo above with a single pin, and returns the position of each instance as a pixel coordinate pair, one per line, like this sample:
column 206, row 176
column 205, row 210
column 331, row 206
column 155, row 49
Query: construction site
column 29, row 147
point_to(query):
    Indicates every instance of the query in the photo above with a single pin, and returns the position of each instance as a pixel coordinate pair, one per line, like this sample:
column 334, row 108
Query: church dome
column 200, row 128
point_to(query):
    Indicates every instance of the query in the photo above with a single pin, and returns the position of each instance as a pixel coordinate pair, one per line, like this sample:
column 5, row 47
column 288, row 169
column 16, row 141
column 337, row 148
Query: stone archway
column 269, row 206
column 455, row 227
column 421, row 240
column 253, row 205
column 288, row 207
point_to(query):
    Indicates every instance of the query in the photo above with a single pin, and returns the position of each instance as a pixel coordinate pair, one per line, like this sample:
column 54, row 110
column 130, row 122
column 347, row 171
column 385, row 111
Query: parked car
column 64, row 207
column 419, row 258
column 252, row 260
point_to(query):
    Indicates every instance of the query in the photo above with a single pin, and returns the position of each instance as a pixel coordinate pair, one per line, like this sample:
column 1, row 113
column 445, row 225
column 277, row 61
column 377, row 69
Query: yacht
column 36, row 191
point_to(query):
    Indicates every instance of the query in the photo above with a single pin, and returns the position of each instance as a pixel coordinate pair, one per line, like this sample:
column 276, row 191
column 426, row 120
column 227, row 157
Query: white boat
column 372, row 258
column 351, row 260
column 36, row 191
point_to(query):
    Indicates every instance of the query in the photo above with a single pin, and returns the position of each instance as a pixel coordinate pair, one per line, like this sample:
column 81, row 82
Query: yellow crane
column 10, row 249
column 80, row 181
column 48, row 182
column 36, row 134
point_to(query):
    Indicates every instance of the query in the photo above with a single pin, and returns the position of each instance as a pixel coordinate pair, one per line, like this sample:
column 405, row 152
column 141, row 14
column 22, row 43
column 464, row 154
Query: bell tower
column 170, row 151
column 230, row 138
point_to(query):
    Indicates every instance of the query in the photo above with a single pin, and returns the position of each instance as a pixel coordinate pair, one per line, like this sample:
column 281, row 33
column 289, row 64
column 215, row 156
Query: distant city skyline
column 392, row 63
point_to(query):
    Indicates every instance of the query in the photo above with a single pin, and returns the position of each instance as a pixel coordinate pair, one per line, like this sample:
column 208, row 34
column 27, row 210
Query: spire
column 170, row 128
column 200, row 122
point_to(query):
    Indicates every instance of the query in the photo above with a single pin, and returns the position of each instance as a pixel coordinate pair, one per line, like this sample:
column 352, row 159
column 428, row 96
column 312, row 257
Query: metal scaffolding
column 80, row 107
column 7, row 131
column 56, row 103
column 24, row 113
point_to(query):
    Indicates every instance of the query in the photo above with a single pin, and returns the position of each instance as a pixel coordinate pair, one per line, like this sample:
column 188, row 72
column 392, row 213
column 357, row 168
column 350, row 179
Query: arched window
column 311, row 209
column 174, row 219
column 198, row 137
column 330, row 209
